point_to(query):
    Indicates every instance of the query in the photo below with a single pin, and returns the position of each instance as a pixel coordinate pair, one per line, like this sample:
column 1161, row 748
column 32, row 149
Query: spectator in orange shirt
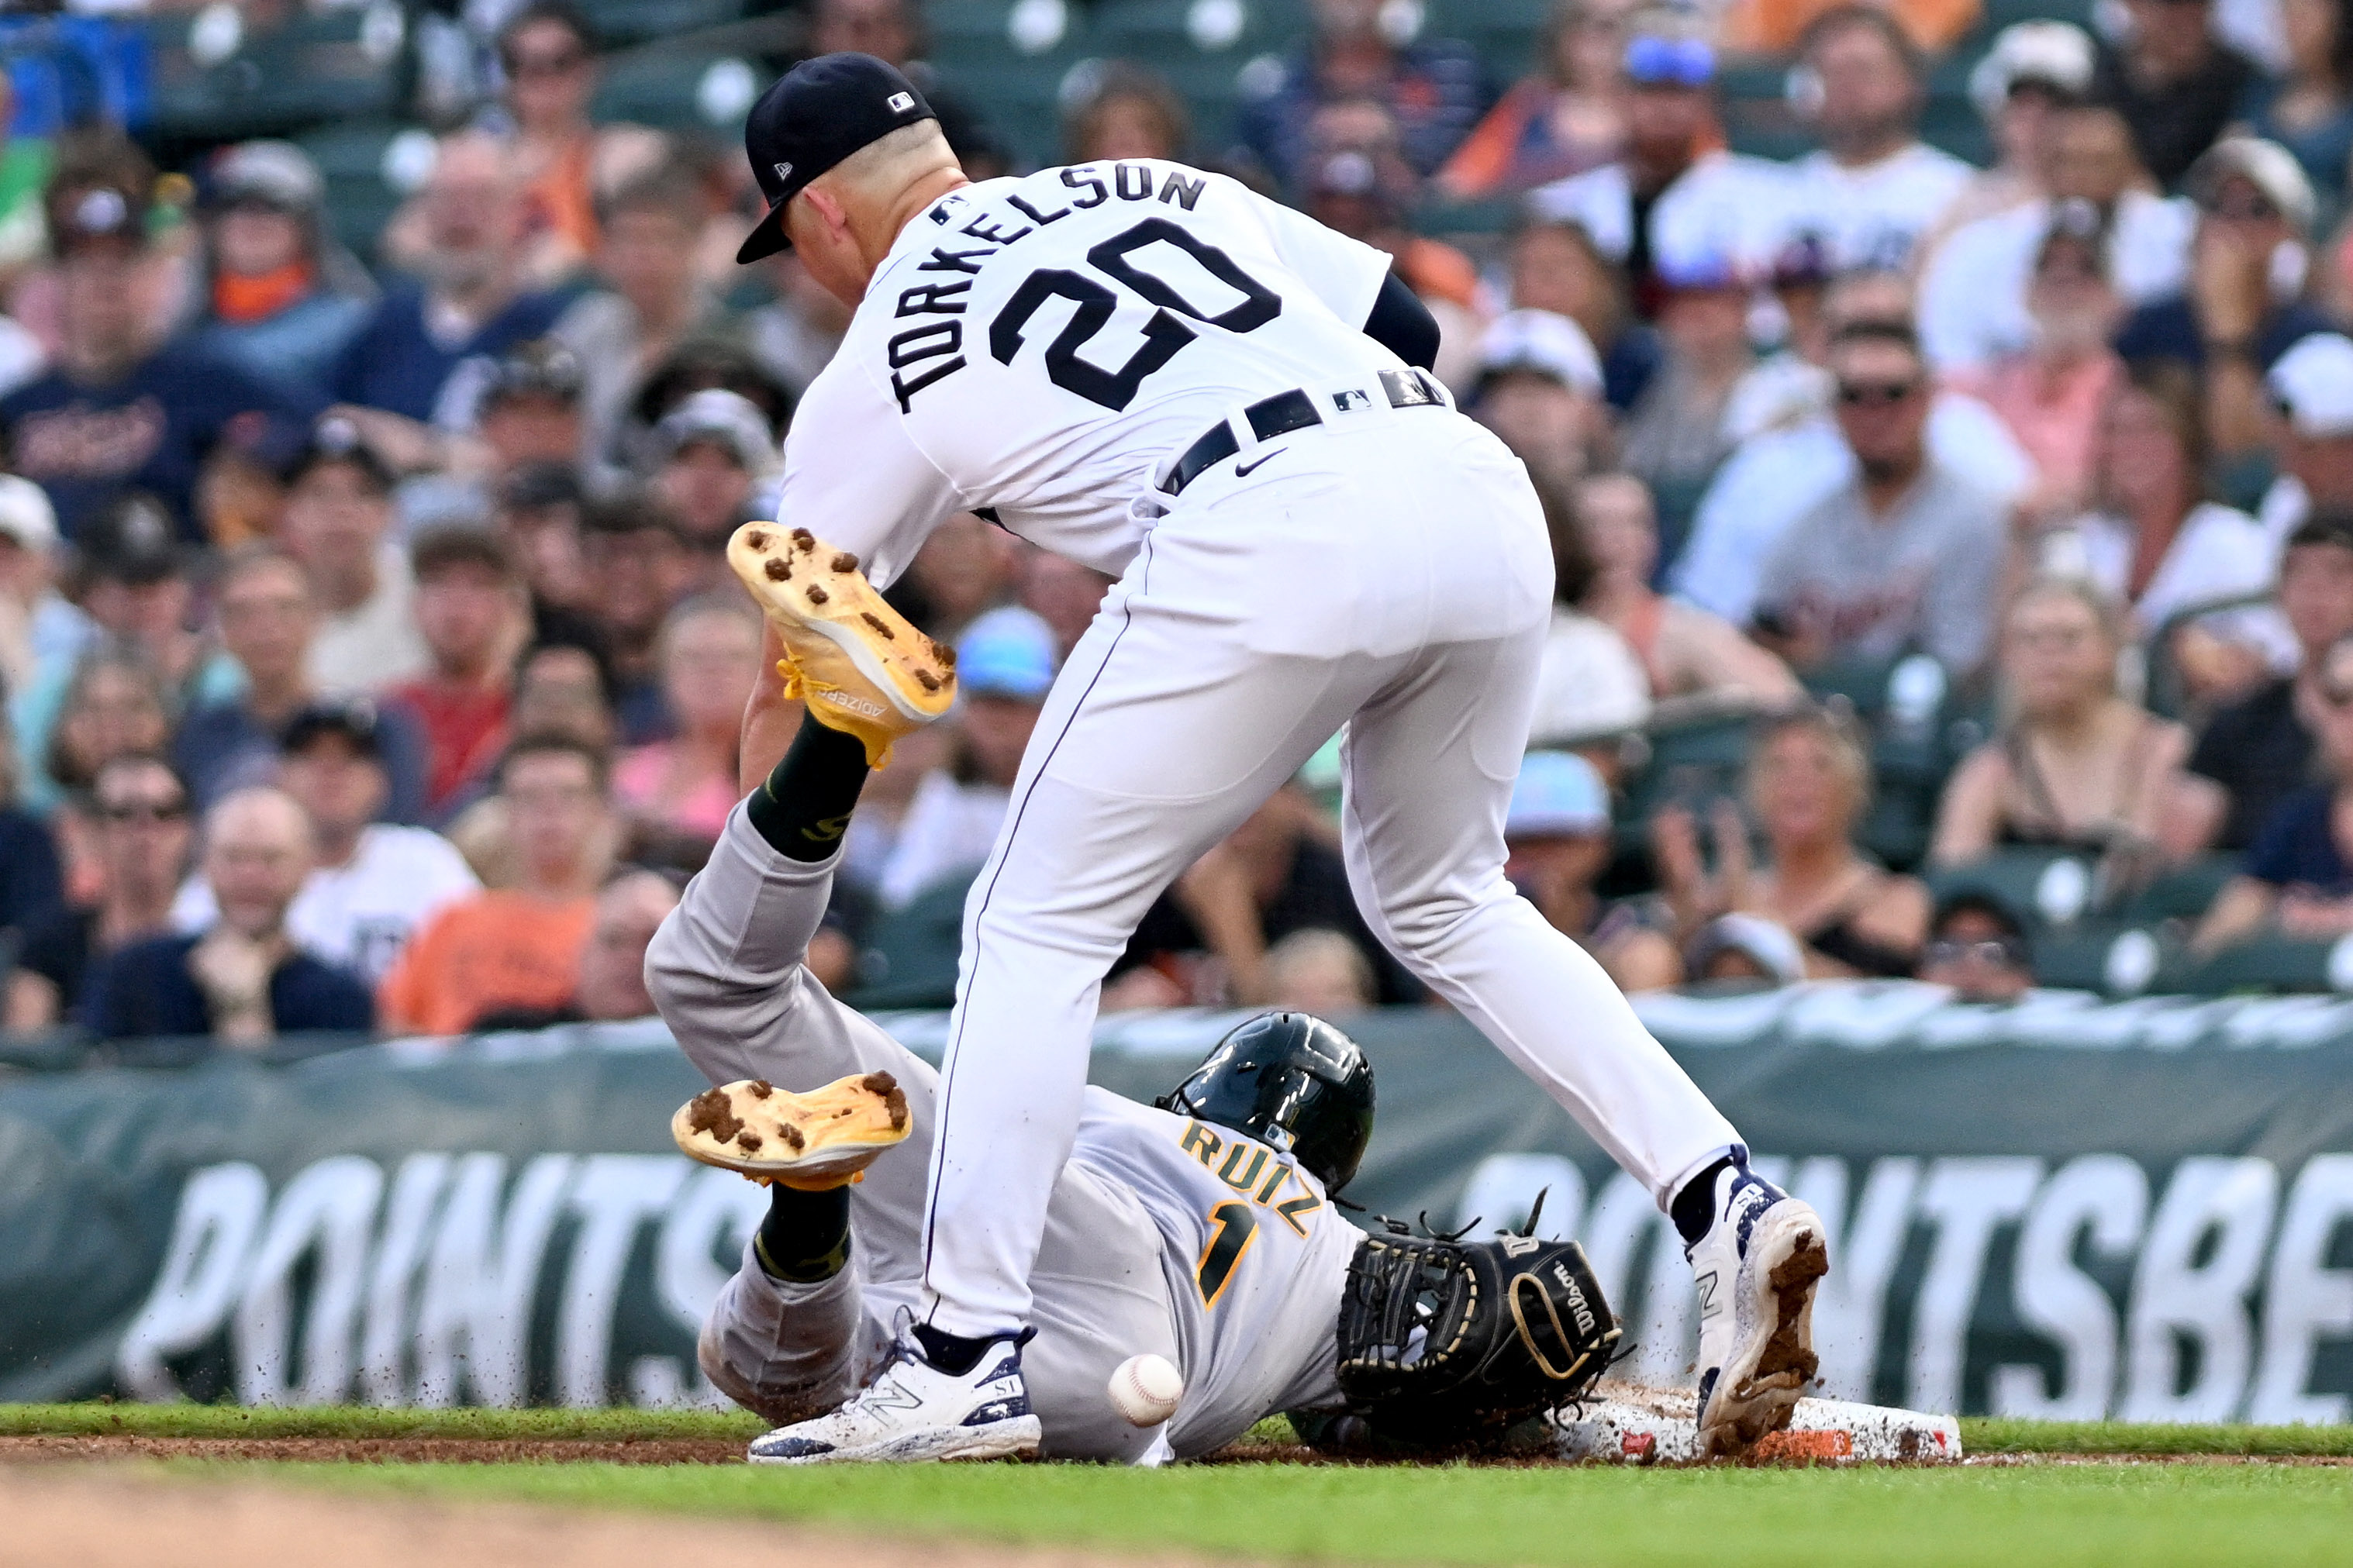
column 515, row 947
column 472, row 612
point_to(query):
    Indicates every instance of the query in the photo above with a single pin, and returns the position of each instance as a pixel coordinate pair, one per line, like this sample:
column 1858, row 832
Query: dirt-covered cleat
column 813, row 1140
column 1757, row 1269
column 915, row 1410
column 859, row 664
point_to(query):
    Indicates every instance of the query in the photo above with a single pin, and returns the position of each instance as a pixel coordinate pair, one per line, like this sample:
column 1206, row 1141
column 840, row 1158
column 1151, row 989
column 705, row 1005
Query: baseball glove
column 1459, row 1341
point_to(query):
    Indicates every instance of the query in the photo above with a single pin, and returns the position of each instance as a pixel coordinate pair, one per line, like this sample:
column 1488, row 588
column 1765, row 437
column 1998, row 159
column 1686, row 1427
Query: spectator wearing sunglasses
column 1676, row 191
column 1907, row 554
column 2175, row 82
column 138, row 847
column 2297, row 878
column 2244, row 305
column 1564, row 119
column 1977, row 946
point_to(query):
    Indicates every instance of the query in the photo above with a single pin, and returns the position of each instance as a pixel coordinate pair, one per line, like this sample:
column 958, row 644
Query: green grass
column 2147, row 1516
column 1994, row 1435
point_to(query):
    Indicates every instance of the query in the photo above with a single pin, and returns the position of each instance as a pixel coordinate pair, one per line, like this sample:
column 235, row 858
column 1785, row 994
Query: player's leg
column 1429, row 766
column 1162, row 735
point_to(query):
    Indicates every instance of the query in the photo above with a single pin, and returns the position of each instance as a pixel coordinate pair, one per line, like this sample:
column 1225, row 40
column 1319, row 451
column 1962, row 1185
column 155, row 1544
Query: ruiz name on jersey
column 933, row 349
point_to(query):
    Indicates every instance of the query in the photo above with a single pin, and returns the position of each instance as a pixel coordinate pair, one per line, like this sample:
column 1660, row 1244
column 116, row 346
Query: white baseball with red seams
column 1145, row 1390
column 1043, row 350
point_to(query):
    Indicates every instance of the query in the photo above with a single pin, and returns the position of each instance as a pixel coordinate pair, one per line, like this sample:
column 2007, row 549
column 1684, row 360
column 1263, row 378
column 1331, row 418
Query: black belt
column 1294, row 410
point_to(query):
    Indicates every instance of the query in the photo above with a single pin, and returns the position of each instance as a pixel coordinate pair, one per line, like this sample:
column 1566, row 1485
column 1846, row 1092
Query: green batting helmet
column 1291, row 1081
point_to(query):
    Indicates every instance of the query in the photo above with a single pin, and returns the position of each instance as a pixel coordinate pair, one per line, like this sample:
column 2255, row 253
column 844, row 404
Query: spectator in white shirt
column 1874, row 187
column 372, row 884
column 2157, row 542
column 338, row 524
column 1973, row 292
column 2312, row 437
column 1004, row 665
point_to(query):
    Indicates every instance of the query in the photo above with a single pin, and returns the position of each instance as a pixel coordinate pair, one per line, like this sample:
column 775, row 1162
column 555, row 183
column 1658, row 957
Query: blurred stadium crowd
column 1955, row 536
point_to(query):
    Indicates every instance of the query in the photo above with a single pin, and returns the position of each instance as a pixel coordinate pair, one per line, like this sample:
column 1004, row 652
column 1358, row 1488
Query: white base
column 1627, row 1423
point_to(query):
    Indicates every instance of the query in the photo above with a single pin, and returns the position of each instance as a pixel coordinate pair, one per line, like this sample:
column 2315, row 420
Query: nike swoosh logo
column 1244, row 470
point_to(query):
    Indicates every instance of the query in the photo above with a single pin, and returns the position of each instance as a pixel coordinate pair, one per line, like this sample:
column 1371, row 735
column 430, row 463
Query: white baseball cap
column 25, row 514
column 2058, row 53
column 2314, row 384
column 2269, row 166
column 1558, row 794
column 1545, row 343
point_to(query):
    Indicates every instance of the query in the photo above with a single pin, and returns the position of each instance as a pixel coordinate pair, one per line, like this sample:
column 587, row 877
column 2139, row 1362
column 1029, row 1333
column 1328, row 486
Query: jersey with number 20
column 1041, row 348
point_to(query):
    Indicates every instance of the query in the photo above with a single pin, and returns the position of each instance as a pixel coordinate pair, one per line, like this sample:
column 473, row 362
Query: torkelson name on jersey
column 932, row 351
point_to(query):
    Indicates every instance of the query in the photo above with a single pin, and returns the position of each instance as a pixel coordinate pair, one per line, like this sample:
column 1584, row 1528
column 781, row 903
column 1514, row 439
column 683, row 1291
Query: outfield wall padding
column 2065, row 1207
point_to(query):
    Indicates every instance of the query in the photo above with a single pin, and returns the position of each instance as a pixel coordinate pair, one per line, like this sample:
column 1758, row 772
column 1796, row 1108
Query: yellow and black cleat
column 858, row 663
column 822, row 1139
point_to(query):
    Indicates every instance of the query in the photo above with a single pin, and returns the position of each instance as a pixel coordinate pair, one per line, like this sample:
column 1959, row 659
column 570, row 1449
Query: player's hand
column 771, row 718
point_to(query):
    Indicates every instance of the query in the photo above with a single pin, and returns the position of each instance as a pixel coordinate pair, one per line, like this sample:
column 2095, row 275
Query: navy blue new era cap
column 818, row 113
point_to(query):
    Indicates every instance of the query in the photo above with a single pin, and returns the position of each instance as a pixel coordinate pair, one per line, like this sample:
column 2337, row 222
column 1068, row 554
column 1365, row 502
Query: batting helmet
column 1291, row 1081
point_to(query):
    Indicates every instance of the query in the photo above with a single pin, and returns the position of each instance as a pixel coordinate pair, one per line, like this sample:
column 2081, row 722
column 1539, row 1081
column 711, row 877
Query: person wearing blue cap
column 1676, row 184
column 1557, row 829
column 1159, row 373
column 1004, row 665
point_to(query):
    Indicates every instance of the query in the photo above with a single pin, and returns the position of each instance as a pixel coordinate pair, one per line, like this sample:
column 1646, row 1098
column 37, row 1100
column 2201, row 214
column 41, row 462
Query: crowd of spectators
column 372, row 661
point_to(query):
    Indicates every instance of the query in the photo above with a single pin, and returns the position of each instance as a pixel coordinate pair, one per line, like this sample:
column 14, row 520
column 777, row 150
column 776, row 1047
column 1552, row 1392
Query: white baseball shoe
column 913, row 1411
column 1756, row 1268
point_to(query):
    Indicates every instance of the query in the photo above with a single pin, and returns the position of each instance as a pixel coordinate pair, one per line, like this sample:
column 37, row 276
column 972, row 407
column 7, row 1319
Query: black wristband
column 804, row 807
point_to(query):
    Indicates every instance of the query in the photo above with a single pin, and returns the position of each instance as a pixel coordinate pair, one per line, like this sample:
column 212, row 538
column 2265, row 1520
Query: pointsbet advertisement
column 2059, row 1208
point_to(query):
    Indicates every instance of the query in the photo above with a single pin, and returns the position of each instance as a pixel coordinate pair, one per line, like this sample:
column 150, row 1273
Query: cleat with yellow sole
column 858, row 664
column 822, row 1139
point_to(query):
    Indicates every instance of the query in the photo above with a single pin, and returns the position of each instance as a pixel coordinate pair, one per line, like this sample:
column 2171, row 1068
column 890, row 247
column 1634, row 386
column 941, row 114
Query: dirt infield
column 78, row 1518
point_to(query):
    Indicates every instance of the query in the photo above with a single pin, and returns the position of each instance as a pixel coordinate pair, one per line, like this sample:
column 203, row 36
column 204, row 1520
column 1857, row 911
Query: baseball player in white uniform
column 1203, row 1234
column 1157, row 373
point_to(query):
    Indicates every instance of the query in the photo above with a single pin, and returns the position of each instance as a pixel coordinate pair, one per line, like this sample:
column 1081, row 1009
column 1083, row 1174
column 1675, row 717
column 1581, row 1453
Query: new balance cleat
column 813, row 1140
column 1757, row 1269
column 854, row 660
column 913, row 1411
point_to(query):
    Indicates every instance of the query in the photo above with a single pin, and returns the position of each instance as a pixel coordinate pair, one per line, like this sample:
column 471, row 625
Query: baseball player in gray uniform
column 1203, row 1233
column 1161, row 374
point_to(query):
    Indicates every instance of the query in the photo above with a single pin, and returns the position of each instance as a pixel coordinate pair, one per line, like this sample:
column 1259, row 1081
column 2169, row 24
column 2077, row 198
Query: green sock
column 804, row 808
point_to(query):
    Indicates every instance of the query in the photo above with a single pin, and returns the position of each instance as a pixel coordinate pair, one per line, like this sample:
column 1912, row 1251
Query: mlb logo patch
column 1350, row 401
column 901, row 102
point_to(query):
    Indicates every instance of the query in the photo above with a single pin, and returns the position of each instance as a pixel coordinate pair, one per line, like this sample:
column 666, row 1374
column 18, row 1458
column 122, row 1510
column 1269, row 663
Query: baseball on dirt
column 1146, row 1389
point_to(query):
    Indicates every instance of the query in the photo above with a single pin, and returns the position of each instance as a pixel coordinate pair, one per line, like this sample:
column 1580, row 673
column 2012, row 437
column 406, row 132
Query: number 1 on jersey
column 1237, row 1225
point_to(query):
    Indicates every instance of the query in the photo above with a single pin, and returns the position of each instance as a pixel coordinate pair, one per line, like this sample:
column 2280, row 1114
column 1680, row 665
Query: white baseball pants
column 1393, row 576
